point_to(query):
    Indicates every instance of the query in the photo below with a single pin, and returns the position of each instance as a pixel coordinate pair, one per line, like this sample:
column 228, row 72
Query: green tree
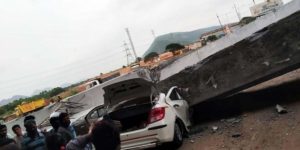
column 247, row 20
column 138, row 59
column 151, row 56
column 212, row 38
column 173, row 47
column 2, row 110
column 56, row 91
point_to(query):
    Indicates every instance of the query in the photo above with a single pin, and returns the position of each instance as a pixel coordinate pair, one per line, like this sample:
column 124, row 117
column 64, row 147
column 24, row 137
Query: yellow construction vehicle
column 26, row 108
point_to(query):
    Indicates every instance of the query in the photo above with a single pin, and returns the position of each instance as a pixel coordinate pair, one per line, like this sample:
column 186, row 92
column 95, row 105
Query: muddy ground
column 249, row 120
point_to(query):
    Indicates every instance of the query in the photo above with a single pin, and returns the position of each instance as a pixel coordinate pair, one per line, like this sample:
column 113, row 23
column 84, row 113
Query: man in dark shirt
column 33, row 140
column 66, row 130
column 54, row 121
column 5, row 142
column 103, row 134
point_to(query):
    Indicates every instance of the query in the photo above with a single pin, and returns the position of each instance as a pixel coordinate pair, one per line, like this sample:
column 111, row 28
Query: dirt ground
column 249, row 120
column 263, row 129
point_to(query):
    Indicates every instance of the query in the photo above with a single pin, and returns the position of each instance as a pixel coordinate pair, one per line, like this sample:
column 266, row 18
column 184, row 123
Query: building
column 165, row 56
column 113, row 74
column 220, row 32
column 217, row 32
column 194, row 45
column 265, row 7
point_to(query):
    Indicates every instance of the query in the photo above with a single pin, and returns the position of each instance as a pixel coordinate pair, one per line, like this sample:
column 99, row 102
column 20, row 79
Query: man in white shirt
column 19, row 135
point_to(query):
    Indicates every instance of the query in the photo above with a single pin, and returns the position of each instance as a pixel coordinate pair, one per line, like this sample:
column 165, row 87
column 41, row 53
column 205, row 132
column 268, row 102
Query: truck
column 27, row 107
column 91, row 84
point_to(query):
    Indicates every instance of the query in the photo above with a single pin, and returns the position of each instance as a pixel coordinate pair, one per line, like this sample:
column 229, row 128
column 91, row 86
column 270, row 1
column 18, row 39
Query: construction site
column 242, row 89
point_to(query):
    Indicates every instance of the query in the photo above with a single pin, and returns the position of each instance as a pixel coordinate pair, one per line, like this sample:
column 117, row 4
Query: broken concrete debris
column 192, row 141
column 266, row 63
column 283, row 61
column 280, row 109
column 233, row 120
column 236, row 135
column 214, row 128
column 212, row 81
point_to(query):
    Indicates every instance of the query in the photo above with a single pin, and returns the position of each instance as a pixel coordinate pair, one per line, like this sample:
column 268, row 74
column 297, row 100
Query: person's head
column 54, row 120
column 64, row 120
column 30, row 124
column 55, row 141
column 105, row 135
column 17, row 130
column 30, row 117
column 3, row 131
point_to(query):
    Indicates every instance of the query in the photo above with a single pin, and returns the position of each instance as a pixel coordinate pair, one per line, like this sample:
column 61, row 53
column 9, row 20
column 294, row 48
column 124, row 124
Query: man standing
column 5, row 142
column 103, row 134
column 54, row 121
column 66, row 129
column 19, row 135
column 33, row 140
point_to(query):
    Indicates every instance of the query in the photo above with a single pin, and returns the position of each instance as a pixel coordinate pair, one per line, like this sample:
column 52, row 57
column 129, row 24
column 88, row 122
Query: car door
column 179, row 105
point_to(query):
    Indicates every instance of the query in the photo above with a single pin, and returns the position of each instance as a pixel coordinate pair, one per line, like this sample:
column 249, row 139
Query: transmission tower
column 131, row 43
column 222, row 27
column 129, row 56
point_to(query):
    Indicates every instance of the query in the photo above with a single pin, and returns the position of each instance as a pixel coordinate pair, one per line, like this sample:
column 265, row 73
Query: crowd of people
column 102, row 135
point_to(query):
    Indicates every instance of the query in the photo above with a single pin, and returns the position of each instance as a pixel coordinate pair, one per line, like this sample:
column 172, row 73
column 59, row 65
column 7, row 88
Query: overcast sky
column 47, row 43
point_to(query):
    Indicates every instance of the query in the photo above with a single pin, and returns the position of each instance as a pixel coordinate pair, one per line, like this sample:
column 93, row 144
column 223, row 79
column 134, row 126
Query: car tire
column 178, row 136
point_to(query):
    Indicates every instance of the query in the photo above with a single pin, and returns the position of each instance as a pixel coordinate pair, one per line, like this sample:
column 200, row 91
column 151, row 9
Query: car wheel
column 178, row 136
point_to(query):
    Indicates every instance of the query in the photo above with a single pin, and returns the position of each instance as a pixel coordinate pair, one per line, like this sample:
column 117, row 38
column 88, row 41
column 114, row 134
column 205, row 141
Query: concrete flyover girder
column 268, row 53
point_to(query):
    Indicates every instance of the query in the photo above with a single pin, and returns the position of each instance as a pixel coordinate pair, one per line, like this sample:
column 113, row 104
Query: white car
column 148, row 118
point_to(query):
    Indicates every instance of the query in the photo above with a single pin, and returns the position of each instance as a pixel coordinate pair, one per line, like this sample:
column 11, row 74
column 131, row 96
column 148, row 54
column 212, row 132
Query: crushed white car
column 148, row 118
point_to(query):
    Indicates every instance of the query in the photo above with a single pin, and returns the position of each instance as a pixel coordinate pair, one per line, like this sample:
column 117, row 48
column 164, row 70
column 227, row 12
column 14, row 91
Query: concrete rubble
column 236, row 135
column 280, row 109
column 233, row 120
column 214, row 128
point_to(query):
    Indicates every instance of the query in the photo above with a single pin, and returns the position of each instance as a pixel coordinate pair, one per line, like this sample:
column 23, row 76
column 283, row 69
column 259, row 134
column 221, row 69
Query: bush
column 212, row 38
column 173, row 47
column 151, row 56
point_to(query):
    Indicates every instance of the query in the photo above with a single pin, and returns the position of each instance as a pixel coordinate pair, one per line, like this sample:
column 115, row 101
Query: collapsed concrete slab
column 270, row 52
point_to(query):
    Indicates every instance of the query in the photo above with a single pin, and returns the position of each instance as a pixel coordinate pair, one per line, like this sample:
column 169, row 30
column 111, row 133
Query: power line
column 85, row 63
column 81, row 61
column 220, row 22
column 237, row 13
column 86, row 59
column 54, row 71
column 26, row 83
